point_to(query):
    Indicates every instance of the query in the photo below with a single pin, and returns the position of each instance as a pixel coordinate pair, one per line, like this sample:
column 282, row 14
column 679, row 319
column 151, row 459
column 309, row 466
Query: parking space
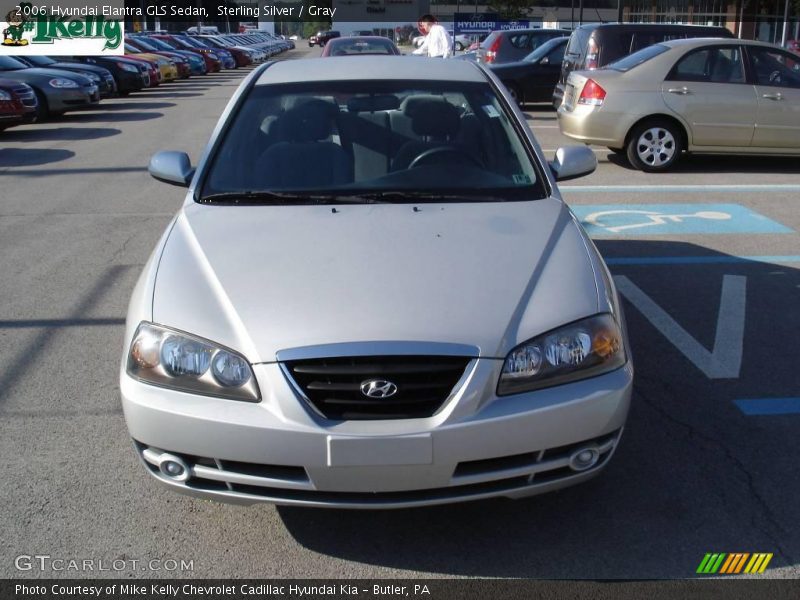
column 707, row 259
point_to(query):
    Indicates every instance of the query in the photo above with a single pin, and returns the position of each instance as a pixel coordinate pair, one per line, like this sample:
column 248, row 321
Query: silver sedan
column 373, row 297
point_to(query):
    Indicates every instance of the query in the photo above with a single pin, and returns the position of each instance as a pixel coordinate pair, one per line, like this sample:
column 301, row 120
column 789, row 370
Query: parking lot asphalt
column 707, row 258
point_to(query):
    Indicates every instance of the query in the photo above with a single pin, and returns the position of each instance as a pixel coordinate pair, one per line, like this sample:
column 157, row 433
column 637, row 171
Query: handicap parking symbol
column 650, row 219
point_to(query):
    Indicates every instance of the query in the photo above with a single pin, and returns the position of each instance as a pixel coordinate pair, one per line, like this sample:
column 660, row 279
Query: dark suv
column 324, row 36
column 596, row 45
column 514, row 44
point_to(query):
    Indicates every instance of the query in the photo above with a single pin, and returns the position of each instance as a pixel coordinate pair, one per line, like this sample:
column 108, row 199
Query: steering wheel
column 433, row 153
column 775, row 77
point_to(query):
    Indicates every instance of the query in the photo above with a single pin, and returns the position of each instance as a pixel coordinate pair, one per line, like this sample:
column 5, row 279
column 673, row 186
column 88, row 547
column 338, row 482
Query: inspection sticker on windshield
column 491, row 111
column 521, row 178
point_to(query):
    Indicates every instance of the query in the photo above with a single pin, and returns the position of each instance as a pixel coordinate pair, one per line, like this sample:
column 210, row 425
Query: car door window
column 557, row 55
column 710, row 65
column 775, row 68
column 519, row 40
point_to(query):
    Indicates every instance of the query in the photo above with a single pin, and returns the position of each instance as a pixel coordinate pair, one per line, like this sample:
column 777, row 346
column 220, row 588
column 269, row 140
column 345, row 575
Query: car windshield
column 372, row 141
column 637, row 58
column 8, row 63
column 145, row 45
column 40, row 61
column 345, row 46
column 159, row 44
column 544, row 50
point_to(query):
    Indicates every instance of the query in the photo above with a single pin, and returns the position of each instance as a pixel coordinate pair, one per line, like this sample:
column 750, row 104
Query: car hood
column 264, row 279
column 39, row 74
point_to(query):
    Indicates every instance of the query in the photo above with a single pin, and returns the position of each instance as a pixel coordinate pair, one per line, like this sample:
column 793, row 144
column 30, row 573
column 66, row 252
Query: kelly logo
column 44, row 28
column 733, row 564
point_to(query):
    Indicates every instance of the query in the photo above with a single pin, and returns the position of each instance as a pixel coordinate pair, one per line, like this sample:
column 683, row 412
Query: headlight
column 94, row 77
column 580, row 350
column 180, row 361
column 62, row 83
column 128, row 68
column 4, row 96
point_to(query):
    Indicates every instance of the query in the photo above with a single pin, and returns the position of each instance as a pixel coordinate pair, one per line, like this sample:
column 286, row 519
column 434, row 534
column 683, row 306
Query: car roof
column 704, row 41
column 385, row 68
column 644, row 26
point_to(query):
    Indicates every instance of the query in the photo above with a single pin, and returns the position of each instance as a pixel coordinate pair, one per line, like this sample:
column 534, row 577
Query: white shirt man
column 437, row 42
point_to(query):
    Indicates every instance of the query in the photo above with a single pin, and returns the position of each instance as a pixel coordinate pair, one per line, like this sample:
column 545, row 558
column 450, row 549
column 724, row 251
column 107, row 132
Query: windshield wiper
column 266, row 197
column 410, row 196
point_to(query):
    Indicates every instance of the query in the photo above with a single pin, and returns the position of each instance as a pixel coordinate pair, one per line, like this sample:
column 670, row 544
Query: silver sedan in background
column 373, row 297
column 695, row 95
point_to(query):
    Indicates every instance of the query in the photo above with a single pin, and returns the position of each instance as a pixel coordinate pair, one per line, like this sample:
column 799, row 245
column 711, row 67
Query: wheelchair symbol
column 647, row 218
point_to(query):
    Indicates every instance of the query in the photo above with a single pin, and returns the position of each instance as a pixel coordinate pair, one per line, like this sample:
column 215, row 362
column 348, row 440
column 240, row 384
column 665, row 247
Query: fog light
column 584, row 458
column 173, row 467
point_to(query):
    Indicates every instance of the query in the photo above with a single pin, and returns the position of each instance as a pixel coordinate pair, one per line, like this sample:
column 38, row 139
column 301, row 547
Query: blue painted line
column 655, row 219
column 679, row 189
column 769, row 406
column 699, row 260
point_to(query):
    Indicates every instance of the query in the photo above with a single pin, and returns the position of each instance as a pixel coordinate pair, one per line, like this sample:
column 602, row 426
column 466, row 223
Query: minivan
column 595, row 45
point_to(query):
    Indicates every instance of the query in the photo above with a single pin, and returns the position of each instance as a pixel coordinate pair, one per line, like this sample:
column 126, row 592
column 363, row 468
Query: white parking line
column 670, row 189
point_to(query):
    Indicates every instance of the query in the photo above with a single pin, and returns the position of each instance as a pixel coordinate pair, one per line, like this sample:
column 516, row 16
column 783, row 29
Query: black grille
column 333, row 385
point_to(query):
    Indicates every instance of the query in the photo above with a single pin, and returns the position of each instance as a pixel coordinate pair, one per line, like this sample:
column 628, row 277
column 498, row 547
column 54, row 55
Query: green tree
column 510, row 9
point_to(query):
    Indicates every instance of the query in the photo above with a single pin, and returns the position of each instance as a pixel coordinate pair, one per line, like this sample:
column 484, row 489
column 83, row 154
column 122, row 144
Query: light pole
column 785, row 24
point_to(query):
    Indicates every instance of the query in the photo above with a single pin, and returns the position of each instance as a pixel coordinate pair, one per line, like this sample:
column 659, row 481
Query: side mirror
column 171, row 167
column 573, row 161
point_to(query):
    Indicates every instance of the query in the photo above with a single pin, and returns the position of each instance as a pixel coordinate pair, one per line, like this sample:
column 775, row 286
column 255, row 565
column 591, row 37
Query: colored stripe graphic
column 759, row 562
column 711, row 563
column 734, row 563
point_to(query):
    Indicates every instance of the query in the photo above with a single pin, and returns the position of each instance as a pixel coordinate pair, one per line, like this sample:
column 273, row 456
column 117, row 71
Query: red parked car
column 213, row 64
column 17, row 103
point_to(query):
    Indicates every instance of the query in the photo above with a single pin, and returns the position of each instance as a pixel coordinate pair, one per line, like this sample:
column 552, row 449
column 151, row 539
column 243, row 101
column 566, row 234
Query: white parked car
column 374, row 296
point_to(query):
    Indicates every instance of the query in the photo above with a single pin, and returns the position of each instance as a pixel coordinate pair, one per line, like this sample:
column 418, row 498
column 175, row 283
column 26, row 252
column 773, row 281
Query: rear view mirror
column 171, row 167
column 573, row 161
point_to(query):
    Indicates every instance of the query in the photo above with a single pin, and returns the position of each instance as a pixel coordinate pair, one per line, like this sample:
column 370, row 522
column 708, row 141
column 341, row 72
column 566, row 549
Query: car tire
column 43, row 110
column 459, row 46
column 654, row 145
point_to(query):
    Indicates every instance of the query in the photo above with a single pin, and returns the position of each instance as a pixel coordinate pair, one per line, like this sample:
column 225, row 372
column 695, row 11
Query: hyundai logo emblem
column 378, row 388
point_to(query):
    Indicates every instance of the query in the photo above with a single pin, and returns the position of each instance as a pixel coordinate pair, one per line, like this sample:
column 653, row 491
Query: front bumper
column 70, row 99
column 476, row 446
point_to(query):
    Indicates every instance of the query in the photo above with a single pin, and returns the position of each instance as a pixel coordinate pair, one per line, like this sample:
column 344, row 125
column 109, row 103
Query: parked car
column 355, row 46
column 189, row 41
column 182, row 62
column 514, row 44
column 698, row 95
column 312, row 40
column 595, row 45
column 129, row 75
column 56, row 91
column 167, row 67
column 213, row 62
column 150, row 43
column 241, row 55
column 17, row 103
column 534, row 77
column 100, row 76
column 385, row 360
column 323, row 37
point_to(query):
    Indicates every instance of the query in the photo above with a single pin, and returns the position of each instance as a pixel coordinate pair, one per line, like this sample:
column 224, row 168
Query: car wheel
column 654, row 145
column 459, row 46
column 43, row 111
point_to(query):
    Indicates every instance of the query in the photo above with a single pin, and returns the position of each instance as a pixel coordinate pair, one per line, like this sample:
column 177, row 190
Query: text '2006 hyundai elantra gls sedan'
column 373, row 296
